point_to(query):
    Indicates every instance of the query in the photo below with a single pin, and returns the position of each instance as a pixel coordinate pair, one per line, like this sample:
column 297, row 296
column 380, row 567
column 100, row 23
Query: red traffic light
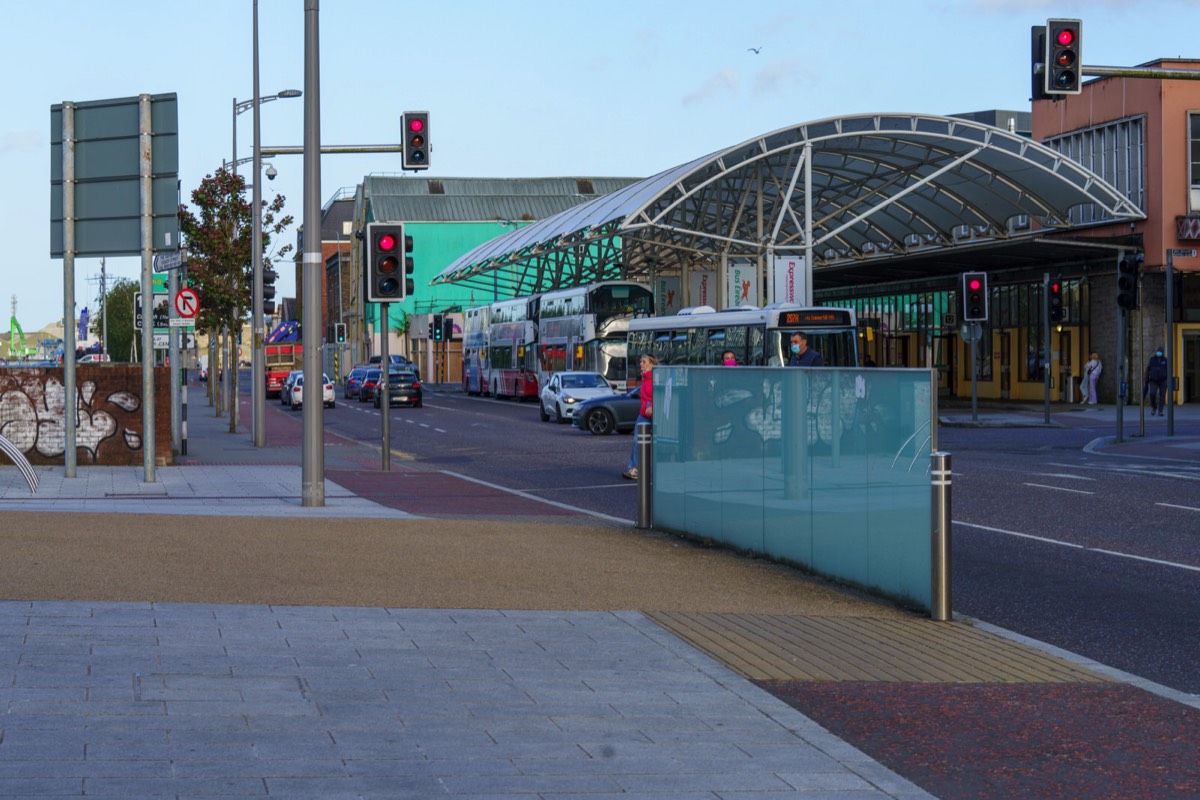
column 416, row 124
column 387, row 242
column 1055, row 288
column 1065, row 37
column 974, row 284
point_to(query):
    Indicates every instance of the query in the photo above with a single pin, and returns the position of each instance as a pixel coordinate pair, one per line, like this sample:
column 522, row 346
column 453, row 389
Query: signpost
column 114, row 191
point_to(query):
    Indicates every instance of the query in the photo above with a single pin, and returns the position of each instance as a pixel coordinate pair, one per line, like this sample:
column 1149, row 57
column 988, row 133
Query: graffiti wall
column 108, row 400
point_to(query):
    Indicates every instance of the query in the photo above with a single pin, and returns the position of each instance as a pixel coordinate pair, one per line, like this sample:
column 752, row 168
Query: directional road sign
column 162, row 341
column 171, row 259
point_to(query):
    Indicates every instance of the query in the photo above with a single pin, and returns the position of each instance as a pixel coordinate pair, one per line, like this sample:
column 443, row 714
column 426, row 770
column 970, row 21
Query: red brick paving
column 1002, row 741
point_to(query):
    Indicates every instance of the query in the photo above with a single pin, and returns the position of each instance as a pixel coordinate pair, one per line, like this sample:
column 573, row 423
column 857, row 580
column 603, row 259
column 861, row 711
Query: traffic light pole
column 312, row 450
column 1046, row 359
column 258, row 353
column 385, row 363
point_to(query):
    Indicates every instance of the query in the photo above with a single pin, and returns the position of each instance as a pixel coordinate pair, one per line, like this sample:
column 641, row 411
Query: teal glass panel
column 826, row 469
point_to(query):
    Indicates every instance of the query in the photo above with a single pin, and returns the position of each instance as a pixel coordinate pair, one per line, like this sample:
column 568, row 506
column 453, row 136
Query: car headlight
column 569, row 400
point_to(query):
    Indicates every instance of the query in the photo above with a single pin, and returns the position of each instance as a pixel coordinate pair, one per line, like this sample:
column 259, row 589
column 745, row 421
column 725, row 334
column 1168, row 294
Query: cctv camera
column 271, row 172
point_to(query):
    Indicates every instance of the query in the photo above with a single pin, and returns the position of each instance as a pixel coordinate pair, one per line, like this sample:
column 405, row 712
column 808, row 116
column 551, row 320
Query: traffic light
column 438, row 328
column 339, row 332
column 1127, row 283
column 388, row 267
column 447, row 327
column 1064, row 61
column 974, row 293
column 1056, row 299
column 1037, row 79
column 415, row 153
column 269, row 276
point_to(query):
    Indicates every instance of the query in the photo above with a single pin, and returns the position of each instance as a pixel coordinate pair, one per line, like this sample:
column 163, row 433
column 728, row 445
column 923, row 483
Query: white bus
column 757, row 337
column 584, row 328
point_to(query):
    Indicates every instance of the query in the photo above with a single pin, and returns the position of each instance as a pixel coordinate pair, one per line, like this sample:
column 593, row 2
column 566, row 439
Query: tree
column 219, row 241
column 121, row 333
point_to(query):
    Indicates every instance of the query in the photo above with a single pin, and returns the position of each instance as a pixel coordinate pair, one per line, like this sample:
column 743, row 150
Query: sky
column 523, row 88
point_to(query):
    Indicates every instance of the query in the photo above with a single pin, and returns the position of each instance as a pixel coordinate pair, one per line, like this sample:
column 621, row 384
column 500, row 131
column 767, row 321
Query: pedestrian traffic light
column 415, row 151
column 269, row 276
column 1064, row 63
column 386, row 268
column 438, row 329
column 974, row 291
column 1056, row 299
column 1127, row 283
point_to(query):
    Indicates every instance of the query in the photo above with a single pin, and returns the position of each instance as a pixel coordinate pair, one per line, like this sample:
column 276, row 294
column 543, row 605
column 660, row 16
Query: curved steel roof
column 868, row 187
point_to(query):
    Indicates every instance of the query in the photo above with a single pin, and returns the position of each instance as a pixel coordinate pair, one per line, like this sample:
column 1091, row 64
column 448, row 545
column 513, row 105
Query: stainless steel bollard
column 939, row 599
column 645, row 483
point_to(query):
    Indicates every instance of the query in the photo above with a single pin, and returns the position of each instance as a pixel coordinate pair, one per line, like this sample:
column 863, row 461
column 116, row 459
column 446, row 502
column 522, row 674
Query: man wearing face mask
column 1157, row 372
column 801, row 354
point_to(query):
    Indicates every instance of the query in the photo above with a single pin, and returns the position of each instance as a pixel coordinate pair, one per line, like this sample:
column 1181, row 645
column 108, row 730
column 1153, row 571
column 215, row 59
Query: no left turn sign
column 187, row 302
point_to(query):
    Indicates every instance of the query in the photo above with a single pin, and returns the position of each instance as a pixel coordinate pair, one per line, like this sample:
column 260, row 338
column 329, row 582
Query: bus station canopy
column 860, row 195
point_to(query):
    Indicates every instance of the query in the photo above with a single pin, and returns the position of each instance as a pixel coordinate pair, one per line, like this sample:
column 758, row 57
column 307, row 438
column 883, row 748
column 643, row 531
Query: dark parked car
column 366, row 390
column 403, row 362
column 402, row 387
column 353, row 384
column 603, row 415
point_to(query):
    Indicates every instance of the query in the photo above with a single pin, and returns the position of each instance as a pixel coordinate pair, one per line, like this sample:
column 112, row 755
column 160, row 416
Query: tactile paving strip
column 773, row 647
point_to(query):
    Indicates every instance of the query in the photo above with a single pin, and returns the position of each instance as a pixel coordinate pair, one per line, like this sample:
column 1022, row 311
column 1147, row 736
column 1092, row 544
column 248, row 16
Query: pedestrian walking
column 1157, row 372
column 646, row 393
column 1091, row 374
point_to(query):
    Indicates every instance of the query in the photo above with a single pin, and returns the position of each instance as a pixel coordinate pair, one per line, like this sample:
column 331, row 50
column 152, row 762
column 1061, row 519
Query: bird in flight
column 755, row 50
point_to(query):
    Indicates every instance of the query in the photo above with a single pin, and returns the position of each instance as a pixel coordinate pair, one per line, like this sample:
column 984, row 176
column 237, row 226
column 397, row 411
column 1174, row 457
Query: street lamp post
column 258, row 371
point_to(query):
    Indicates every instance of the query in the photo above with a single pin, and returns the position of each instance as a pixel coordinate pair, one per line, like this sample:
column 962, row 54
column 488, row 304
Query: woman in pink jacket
column 646, row 393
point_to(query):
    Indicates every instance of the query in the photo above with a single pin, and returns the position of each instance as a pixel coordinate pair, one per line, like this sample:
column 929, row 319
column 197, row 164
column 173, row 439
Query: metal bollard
column 183, row 419
column 939, row 599
column 645, row 482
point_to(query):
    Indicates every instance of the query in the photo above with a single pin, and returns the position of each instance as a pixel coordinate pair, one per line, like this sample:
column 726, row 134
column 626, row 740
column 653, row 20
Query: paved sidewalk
column 649, row 697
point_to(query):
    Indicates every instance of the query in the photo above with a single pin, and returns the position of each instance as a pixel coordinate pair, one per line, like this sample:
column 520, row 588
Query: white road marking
column 1064, row 475
column 1173, row 505
column 1057, row 488
column 1060, row 543
column 529, row 496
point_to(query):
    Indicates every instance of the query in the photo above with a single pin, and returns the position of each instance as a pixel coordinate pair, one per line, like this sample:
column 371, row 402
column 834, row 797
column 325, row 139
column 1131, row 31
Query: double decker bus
column 512, row 361
column 584, row 328
column 476, row 326
column 757, row 337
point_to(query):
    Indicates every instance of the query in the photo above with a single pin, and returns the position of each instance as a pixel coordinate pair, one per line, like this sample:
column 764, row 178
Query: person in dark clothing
column 1157, row 372
column 801, row 354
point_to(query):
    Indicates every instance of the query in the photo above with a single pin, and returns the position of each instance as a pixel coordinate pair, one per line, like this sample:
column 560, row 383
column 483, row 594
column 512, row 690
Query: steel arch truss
column 838, row 191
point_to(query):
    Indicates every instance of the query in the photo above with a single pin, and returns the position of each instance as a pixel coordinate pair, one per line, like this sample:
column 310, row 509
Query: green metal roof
column 422, row 199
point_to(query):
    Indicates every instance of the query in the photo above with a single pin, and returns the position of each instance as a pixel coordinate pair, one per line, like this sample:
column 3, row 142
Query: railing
column 17, row 457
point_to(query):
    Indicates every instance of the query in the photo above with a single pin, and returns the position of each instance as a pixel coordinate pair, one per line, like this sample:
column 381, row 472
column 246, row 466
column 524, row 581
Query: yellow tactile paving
column 773, row 647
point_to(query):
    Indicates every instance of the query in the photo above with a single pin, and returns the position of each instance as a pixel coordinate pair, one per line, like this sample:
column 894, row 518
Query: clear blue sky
column 523, row 88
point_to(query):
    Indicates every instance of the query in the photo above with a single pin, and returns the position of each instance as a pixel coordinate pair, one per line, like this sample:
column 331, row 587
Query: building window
column 1194, row 162
column 1116, row 151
